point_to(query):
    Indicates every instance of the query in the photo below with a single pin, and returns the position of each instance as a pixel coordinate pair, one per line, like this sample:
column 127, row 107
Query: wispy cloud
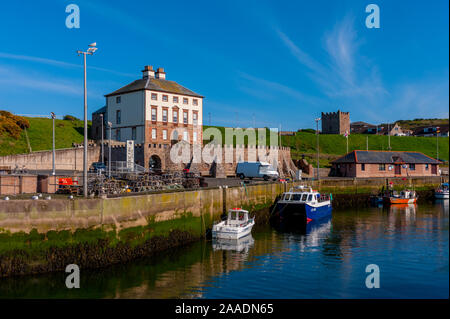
column 16, row 78
column 58, row 63
column 263, row 88
column 346, row 73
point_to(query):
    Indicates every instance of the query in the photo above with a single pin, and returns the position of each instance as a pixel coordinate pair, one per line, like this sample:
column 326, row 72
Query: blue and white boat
column 303, row 202
column 442, row 192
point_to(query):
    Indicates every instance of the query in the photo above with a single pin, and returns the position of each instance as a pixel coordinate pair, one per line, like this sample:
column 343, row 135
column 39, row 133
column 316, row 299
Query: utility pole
column 317, row 133
column 92, row 48
column 103, row 154
column 367, row 142
column 53, row 142
column 389, row 137
column 437, row 142
column 109, row 146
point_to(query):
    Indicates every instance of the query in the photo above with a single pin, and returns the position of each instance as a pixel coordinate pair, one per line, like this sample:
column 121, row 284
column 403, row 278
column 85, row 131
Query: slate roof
column 383, row 157
column 100, row 110
column 155, row 85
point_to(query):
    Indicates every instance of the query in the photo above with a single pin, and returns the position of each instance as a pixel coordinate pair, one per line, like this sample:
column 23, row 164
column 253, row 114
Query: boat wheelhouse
column 404, row 197
column 237, row 225
column 442, row 192
column 303, row 202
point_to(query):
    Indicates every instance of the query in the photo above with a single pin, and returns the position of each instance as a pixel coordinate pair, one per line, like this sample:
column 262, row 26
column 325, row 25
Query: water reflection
column 409, row 243
column 239, row 245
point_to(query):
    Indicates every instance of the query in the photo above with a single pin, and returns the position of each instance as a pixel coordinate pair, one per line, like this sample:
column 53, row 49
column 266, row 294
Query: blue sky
column 256, row 62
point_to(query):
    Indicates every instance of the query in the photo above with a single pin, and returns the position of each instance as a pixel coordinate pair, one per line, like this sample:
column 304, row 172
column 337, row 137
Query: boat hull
column 302, row 211
column 441, row 195
column 394, row 200
column 226, row 232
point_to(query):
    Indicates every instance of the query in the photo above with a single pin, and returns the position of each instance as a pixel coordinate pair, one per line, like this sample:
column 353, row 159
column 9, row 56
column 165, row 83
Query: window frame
column 154, row 108
column 154, row 97
column 154, row 133
column 118, row 116
column 185, row 118
column 185, row 100
column 118, row 99
column 165, row 98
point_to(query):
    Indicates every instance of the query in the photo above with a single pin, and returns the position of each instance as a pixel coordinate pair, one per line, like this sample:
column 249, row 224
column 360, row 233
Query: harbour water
column 409, row 244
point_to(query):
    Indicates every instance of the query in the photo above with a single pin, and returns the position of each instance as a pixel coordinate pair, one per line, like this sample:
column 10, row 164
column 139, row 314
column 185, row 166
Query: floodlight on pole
column 317, row 133
column 53, row 143
column 109, row 146
column 92, row 48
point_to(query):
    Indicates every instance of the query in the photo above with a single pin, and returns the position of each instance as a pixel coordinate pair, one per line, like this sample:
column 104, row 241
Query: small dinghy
column 237, row 225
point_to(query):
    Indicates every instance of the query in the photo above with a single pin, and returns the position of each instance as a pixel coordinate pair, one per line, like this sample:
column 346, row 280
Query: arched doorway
column 155, row 163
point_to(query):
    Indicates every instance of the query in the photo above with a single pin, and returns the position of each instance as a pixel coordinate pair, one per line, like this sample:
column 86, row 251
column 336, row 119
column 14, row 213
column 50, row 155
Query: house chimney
column 148, row 72
column 160, row 74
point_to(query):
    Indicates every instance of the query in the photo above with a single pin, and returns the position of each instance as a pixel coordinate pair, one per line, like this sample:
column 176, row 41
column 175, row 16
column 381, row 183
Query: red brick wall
column 372, row 170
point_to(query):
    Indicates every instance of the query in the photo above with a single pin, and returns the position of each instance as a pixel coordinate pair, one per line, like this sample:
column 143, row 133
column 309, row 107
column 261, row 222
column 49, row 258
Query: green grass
column 332, row 146
column 416, row 123
column 40, row 136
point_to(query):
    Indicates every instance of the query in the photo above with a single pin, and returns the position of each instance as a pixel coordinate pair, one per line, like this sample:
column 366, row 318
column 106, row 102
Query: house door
column 398, row 169
column 433, row 169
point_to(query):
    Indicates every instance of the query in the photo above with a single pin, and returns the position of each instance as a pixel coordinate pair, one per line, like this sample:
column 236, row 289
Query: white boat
column 442, row 192
column 237, row 225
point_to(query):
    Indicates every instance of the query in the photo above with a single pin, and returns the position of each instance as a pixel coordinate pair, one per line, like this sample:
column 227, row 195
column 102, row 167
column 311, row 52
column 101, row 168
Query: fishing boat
column 404, row 197
column 237, row 225
column 303, row 202
column 442, row 192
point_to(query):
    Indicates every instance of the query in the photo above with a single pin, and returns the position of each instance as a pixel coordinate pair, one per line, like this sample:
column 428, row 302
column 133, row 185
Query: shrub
column 12, row 124
column 70, row 118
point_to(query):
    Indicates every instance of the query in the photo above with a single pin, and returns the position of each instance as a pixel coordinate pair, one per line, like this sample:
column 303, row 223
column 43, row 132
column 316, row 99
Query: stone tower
column 335, row 122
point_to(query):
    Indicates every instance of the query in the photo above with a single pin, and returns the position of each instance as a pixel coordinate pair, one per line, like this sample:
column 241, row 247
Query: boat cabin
column 303, row 195
column 236, row 217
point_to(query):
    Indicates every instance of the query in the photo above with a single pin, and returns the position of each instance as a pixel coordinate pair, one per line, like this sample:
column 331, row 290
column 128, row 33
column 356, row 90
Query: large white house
column 152, row 111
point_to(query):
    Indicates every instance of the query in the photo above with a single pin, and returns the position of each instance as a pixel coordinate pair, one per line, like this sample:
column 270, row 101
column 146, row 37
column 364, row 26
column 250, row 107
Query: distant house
column 362, row 128
column 390, row 129
column 381, row 129
column 431, row 130
column 384, row 164
column 287, row 133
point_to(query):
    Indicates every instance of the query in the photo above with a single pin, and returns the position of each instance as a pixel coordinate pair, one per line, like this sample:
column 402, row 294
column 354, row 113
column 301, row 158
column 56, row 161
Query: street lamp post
column 109, row 146
column 92, row 48
column 103, row 154
column 317, row 133
column 53, row 142
column 437, row 142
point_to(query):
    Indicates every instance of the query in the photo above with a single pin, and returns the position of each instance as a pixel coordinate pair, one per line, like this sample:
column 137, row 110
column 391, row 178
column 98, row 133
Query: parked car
column 98, row 167
column 256, row 170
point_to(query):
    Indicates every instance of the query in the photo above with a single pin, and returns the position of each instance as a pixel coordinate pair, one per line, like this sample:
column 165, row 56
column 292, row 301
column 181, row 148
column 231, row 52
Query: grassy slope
column 40, row 136
column 412, row 124
column 331, row 146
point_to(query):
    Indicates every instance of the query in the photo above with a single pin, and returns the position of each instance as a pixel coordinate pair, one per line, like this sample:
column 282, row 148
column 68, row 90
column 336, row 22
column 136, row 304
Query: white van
column 256, row 169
